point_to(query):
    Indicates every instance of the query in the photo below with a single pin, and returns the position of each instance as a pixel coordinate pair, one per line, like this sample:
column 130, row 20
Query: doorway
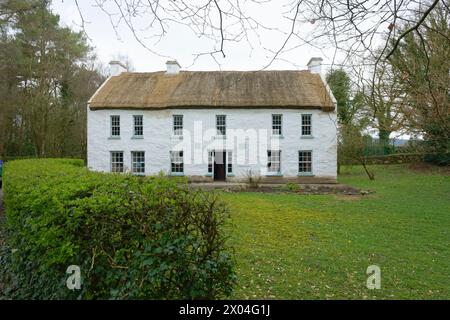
column 219, row 166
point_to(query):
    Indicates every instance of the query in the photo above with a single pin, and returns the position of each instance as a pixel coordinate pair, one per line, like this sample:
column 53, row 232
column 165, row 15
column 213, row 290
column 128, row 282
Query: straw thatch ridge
column 214, row 89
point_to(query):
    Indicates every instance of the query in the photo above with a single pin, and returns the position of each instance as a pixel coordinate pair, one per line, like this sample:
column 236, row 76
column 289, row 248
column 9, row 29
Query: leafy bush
column 132, row 237
column 291, row 187
column 441, row 159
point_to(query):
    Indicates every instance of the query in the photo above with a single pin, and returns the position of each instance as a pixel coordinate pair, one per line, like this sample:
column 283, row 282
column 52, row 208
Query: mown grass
column 319, row 247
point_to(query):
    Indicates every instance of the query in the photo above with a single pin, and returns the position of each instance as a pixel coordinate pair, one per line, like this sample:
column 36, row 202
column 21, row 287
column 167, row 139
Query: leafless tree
column 382, row 101
column 352, row 28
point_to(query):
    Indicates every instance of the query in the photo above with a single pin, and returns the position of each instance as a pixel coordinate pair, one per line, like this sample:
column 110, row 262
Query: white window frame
column 135, row 157
column 177, row 125
column 177, row 161
column 210, row 169
column 305, row 163
column 221, row 125
column 277, row 125
column 230, row 163
column 115, row 126
column 138, row 125
column 306, row 125
column 114, row 162
column 271, row 159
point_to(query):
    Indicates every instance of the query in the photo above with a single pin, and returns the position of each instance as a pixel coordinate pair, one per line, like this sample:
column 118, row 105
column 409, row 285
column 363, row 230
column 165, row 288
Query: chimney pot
column 315, row 65
column 173, row 67
column 116, row 68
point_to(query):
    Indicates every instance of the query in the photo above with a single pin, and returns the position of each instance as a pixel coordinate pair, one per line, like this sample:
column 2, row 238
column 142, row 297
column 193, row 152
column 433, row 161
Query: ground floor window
column 210, row 161
column 116, row 161
column 273, row 161
column 230, row 162
column 138, row 161
column 305, row 161
column 176, row 160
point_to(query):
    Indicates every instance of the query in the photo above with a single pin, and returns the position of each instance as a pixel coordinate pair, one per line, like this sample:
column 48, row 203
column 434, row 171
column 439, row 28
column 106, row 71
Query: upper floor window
column 274, row 161
column 116, row 161
column 176, row 161
column 305, row 161
column 221, row 125
column 138, row 161
column 115, row 126
column 306, row 125
column 177, row 125
column 276, row 124
column 138, row 126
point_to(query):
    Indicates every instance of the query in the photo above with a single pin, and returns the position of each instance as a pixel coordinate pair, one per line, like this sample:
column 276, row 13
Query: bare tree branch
column 413, row 28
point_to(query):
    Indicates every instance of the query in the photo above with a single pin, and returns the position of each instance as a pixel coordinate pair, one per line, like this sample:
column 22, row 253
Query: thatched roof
column 224, row 89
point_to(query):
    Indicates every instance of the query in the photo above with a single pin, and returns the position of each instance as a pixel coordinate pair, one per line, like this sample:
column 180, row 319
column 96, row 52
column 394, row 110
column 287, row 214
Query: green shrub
column 292, row 187
column 441, row 159
column 132, row 237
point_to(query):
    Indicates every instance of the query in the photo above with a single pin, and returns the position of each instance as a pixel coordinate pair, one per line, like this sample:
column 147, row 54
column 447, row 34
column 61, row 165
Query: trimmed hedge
column 441, row 159
column 133, row 237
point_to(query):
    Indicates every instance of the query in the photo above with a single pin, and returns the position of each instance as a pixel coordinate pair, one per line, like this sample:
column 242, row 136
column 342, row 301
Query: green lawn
column 319, row 247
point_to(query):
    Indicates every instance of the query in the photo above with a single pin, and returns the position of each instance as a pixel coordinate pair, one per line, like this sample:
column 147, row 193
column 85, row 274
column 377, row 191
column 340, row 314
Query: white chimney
column 315, row 65
column 173, row 67
column 116, row 68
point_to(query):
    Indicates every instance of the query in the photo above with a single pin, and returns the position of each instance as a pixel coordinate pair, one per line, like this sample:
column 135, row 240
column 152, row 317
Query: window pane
column 178, row 125
column 306, row 124
column 230, row 162
column 210, row 161
column 116, row 161
column 115, row 126
column 305, row 161
column 276, row 124
column 138, row 161
column 273, row 161
column 176, row 159
column 138, row 125
column 221, row 125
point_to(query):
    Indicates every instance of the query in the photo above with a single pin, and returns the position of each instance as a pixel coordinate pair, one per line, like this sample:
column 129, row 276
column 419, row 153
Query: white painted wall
column 158, row 139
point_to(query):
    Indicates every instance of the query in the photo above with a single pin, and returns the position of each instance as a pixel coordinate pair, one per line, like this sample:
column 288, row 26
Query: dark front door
column 219, row 166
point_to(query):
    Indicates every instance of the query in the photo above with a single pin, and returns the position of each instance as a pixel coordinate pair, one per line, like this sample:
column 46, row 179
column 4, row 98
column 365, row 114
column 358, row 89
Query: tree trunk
column 384, row 140
column 371, row 175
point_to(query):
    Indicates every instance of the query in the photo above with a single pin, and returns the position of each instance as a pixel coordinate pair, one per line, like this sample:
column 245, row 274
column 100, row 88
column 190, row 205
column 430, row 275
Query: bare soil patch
column 348, row 197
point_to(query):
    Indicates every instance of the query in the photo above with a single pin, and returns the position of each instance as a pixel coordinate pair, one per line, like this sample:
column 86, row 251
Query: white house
column 209, row 126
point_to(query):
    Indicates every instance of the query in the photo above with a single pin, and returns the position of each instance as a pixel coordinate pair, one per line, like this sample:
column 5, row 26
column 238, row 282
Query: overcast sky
column 180, row 43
